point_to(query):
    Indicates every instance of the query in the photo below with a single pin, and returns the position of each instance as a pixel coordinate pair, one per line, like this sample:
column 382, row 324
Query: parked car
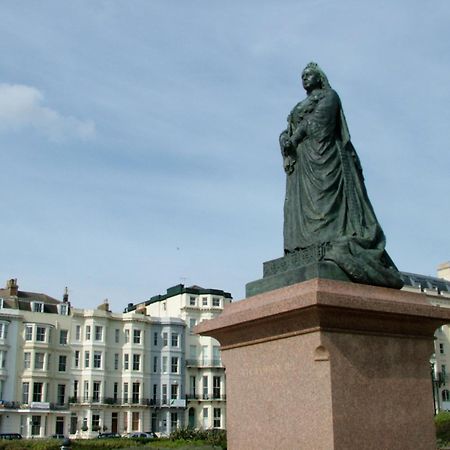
column 108, row 435
column 141, row 434
column 152, row 433
column 10, row 436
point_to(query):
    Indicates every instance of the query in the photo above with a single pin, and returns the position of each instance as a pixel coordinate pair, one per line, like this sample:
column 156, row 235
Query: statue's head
column 314, row 78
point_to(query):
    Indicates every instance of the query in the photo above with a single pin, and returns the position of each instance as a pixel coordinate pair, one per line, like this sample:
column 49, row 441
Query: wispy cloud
column 23, row 106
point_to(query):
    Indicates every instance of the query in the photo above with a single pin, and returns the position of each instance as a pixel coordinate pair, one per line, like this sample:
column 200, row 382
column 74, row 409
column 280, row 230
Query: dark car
column 140, row 434
column 151, row 434
column 10, row 436
column 108, row 435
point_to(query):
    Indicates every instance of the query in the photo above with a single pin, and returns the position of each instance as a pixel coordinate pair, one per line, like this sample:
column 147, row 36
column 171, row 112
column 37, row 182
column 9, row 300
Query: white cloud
column 23, row 106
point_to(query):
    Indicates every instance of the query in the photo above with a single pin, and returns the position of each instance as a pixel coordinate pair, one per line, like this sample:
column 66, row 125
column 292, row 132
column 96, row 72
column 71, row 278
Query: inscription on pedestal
column 304, row 257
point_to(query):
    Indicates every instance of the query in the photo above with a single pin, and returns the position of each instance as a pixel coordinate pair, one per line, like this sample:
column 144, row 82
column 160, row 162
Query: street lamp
column 436, row 382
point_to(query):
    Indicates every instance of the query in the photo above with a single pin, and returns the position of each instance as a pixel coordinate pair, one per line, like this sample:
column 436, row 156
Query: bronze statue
column 326, row 203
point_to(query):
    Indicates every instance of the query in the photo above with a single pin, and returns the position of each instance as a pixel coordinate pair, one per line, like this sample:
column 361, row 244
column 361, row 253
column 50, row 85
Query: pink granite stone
column 329, row 365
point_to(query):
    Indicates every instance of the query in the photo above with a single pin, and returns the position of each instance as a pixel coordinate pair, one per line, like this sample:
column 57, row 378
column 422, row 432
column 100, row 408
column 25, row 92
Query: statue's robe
column 326, row 200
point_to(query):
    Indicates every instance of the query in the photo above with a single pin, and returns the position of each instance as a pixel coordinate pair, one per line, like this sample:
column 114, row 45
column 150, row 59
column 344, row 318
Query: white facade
column 78, row 372
column 204, row 372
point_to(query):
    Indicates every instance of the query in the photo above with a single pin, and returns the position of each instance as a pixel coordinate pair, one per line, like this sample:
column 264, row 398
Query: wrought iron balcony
column 111, row 400
column 214, row 396
column 10, row 405
column 204, row 362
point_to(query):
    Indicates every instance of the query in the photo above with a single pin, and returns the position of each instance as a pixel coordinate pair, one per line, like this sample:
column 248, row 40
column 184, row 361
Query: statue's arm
column 321, row 124
column 299, row 134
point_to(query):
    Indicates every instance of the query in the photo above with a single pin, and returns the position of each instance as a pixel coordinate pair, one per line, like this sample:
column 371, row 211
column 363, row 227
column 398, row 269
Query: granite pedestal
column 329, row 365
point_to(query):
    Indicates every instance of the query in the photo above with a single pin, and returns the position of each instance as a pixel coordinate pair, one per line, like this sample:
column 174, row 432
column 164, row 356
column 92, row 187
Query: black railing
column 204, row 363
column 168, row 402
column 206, row 397
column 59, row 406
column 10, row 405
column 34, row 405
column 112, row 400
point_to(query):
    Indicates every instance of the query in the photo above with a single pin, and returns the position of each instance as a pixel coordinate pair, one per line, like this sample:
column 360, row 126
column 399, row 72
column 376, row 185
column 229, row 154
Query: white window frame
column 37, row 307
column 38, row 360
column 28, row 332
column 137, row 336
column 3, row 330
column 40, row 334
column 63, row 337
column 62, row 363
column 174, row 364
column 98, row 333
column 27, row 360
column 136, row 362
column 78, row 332
column 97, row 360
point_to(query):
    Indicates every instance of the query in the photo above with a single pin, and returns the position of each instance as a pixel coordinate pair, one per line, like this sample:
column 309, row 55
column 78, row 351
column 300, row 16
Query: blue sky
column 139, row 138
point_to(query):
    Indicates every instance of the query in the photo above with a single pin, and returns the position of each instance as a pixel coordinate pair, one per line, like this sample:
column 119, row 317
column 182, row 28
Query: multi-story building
column 36, row 372
column 437, row 290
column 75, row 372
column 204, row 372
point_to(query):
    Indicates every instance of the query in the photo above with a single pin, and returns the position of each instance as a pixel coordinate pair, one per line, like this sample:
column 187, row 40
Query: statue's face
column 310, row 80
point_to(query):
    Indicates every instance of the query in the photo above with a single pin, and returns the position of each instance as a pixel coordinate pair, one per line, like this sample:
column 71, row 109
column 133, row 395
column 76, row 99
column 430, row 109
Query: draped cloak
column 326, row 201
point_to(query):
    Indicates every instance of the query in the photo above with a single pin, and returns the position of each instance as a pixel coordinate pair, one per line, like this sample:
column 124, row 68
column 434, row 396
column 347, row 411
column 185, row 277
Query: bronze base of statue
column 275, row 277
column 323, row 261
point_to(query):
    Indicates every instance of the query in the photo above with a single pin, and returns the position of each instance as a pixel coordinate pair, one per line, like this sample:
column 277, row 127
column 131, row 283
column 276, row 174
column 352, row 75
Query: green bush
column 195, row 438
column 217, row 437
column 28, row 444
column 92, row 444
column 442, row 421
column 211, row 437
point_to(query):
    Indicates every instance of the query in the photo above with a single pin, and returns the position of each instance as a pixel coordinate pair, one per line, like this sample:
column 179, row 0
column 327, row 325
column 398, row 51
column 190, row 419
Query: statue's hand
column 287, row 147
column 288, row 165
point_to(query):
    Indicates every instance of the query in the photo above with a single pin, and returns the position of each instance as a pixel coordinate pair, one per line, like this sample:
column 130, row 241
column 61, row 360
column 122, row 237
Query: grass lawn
column 104, row 444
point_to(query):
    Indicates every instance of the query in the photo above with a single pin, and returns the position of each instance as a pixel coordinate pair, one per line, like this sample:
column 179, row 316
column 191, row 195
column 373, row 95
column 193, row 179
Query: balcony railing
column 216, row 397
column 204, row 363
column 10, row 405
column 112, row 401
column 34, row 405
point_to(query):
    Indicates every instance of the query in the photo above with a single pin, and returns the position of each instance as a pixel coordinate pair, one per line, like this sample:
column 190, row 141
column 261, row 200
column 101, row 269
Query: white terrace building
column 202, row 367
column 76, row 372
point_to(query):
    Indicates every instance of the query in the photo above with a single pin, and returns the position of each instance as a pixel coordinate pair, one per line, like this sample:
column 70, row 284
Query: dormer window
column 37, row 307
column 63, row 309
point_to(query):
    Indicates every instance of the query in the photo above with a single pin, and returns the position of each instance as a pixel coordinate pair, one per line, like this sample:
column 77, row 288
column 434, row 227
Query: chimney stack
column 12, row 287
column 443, row 271
column 104, row 306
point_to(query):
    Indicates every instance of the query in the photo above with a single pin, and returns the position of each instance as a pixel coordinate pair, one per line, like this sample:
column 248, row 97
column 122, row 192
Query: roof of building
column 177, row 290
column 423, row 282
column 16, row 299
